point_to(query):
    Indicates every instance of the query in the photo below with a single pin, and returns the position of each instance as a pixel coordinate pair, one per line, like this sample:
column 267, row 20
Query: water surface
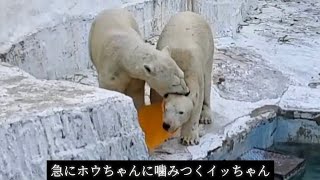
column 310, row 152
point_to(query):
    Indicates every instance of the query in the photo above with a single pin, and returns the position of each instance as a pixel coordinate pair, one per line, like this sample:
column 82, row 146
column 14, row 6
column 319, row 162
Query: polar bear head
column 164, row 75
column 177, row 111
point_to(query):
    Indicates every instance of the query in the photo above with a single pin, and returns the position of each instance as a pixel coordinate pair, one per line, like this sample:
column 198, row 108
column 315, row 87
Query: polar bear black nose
column 166, row 126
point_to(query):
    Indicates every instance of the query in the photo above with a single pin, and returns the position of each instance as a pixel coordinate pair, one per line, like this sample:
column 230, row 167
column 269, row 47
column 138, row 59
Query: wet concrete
column 285, row 166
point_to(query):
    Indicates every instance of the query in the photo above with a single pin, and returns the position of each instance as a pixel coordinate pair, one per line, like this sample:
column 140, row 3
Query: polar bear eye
column 147, row 68
column 181, row 112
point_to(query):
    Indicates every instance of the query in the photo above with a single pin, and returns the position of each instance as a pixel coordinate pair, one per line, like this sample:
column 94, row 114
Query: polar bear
column 177, row 111
column 124, row 62
column 190, row 40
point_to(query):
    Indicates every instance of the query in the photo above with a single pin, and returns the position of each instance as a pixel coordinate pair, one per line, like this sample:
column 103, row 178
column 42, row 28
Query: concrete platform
column 285, row 166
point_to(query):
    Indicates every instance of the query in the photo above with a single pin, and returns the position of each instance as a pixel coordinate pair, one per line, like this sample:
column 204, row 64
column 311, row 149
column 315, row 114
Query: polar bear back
column 186, row 33
column 188, row 29
column 106, row 26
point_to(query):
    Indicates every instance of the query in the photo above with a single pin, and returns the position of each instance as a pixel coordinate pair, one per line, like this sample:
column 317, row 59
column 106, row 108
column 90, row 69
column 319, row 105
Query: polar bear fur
column 124, row 62
column 190, row 40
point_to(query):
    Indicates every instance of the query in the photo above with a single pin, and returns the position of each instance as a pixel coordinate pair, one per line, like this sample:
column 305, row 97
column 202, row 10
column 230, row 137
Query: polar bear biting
column 124, row 62
column 190, row 40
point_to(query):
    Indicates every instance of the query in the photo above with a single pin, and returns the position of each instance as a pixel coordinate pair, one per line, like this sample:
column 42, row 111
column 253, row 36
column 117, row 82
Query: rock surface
column 41, row 120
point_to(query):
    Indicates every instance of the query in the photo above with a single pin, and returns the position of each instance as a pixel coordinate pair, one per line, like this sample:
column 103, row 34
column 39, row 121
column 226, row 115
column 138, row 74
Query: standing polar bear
column 190, row 40
column 124, row 62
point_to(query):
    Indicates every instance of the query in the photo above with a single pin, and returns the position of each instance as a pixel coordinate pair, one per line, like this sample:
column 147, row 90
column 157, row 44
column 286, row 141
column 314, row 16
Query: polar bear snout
column 170, row 127
column 166, row 126
column 186, row 90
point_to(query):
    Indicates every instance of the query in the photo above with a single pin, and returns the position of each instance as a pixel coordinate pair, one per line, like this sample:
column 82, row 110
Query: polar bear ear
column 166, row 50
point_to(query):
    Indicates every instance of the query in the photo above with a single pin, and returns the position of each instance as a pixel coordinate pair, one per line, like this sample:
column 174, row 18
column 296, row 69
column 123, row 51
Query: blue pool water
column 310, row 152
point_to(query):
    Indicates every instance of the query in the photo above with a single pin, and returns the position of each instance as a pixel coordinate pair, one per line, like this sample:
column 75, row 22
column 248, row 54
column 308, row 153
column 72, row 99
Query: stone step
column 285, row 166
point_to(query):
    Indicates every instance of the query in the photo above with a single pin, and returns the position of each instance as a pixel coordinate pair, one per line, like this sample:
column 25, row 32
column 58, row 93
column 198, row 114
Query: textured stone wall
column 41, row 120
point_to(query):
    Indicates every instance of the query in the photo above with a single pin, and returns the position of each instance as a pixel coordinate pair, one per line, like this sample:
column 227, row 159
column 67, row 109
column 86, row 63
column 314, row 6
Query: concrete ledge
column 259, row 127
column 53, row 52
column 299, row 98
column 223, row 15
column 55, row 48
column 42, row 120
column 60, row 49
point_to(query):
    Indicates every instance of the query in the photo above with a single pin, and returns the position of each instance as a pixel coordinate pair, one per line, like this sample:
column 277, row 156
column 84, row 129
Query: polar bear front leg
column 190, row 131
column 135, row 90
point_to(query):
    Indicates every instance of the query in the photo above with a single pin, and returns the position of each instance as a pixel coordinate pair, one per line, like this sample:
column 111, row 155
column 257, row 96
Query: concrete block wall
column 48, row 39
column 59, row 46
column 41, row 120
column 223, row 15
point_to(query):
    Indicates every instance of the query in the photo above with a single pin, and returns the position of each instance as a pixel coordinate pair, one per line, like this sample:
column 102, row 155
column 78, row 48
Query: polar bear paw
column 190, row 139
column 206, row 116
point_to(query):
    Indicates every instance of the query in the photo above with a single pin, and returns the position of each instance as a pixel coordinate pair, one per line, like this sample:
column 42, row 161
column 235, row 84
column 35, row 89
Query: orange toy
column 150, row 119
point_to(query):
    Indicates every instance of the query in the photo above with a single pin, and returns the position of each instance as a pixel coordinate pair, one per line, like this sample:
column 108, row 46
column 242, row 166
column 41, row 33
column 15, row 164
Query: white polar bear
column 124, row 62
column 190, row 40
